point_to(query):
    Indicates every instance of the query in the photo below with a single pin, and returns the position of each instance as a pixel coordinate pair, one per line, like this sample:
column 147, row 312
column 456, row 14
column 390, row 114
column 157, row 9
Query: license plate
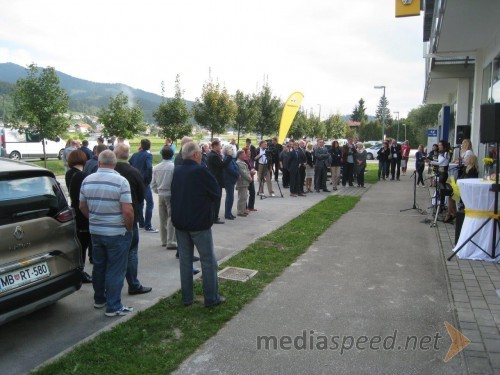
column 23, row 276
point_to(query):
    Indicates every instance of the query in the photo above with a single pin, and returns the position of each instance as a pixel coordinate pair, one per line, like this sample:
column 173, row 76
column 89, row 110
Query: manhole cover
column 237, row 274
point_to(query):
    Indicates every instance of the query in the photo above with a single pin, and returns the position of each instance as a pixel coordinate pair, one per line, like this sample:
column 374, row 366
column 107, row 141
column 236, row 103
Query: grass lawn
column 159, row 339
column 55, row 165
column 371, row 173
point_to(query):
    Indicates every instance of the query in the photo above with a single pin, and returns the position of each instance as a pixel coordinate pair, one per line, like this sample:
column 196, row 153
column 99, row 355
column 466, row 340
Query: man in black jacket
column 143, row 162
column 137, row 189
column 396, row 157
column 194, row 190
column 216, row 165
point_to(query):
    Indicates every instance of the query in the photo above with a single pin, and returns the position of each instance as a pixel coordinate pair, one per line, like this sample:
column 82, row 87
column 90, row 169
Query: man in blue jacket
column 143, row 161
column 193, row 190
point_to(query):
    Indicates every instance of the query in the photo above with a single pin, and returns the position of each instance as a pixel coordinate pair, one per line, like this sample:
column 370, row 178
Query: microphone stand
column 414, row 207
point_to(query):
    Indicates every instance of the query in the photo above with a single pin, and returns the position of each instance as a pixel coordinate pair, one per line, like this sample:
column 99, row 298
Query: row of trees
column 39, row 101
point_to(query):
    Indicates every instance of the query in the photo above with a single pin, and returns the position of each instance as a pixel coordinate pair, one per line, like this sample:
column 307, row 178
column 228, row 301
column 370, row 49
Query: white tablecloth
column 476, row 195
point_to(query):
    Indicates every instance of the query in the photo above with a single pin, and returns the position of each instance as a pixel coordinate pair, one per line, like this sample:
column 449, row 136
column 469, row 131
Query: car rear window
column 29, row 198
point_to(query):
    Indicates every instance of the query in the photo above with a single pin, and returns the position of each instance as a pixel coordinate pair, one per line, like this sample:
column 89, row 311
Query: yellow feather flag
column 289, row 111
column 456, row 190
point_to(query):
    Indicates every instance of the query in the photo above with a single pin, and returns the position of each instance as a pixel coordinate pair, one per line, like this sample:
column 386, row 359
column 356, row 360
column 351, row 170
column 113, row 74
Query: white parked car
column 26, row 145
column 371, row 152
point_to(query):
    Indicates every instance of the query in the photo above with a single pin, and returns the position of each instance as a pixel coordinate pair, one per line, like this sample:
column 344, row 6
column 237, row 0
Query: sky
column 332, row 51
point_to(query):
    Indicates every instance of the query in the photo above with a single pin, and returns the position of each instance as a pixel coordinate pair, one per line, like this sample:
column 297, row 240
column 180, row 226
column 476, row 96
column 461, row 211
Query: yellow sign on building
column 407, row 8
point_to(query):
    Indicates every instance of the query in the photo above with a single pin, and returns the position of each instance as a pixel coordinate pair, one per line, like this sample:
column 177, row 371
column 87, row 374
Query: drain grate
column 237, row 274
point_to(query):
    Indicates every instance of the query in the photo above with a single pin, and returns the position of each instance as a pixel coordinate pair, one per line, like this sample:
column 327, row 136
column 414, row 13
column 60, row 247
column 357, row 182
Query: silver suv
column 39, row 251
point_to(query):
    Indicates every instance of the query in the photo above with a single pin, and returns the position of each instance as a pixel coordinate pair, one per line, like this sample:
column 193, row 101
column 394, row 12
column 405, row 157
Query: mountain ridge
column 88, row 96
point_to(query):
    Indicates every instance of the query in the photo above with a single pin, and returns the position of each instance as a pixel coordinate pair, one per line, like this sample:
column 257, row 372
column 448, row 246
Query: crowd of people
column 112, row 194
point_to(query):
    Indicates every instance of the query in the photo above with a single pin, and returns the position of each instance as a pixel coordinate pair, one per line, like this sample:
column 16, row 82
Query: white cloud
column 332, row 51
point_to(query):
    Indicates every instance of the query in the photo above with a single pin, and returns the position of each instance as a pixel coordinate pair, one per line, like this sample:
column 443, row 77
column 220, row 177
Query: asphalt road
column 28, row 342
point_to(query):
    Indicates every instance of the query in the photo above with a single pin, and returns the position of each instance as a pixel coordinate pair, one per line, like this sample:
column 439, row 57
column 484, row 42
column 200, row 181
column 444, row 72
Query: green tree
column 246, row 113
column 120, row 119
column 172, row 115
column 40, row 103
column 383, row 111
column 419, row 120
column 318, row 128
column 359, row 112
column 370, row 131
column 269, row 111
column 336, row 127
column 300, row 126
column 215, row 110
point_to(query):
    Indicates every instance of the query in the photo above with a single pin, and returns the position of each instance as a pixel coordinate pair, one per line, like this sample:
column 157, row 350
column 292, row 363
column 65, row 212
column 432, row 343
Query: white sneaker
column 99, row 305
column 273, row 195
column 122, row 312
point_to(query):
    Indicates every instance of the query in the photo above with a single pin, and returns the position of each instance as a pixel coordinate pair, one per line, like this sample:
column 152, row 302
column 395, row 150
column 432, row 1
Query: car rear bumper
column 22, row 302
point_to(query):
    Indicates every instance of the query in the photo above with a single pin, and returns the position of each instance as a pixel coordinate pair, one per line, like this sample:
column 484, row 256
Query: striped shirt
column 104, row 191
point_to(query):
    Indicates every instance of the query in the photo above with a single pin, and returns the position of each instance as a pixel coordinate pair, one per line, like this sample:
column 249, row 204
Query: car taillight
column 2, row 140
column 65, row 215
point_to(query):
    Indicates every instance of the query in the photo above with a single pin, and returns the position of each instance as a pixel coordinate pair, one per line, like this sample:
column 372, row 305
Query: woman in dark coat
column 74, row 178
column 336, row 163
column 383, row 160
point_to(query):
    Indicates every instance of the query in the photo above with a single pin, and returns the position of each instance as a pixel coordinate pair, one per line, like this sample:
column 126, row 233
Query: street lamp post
column 383, row 113
column 405, row 131
column 397, row 121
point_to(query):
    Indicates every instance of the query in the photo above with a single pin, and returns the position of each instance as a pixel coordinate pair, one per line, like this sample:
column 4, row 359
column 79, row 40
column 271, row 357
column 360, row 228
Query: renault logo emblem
column 18, row 233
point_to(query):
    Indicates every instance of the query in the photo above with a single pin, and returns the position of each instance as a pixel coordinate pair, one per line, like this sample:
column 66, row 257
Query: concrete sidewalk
column 375, row 276
column 31, row 340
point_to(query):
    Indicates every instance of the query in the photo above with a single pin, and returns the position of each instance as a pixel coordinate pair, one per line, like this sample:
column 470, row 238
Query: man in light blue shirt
column 105, row 198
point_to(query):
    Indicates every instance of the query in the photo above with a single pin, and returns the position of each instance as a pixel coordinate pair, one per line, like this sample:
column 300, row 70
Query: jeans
column 167, row 231
column 145, row 220
column 229, row 199
column 133, row 261
column 205, row 245
column 110, row 256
